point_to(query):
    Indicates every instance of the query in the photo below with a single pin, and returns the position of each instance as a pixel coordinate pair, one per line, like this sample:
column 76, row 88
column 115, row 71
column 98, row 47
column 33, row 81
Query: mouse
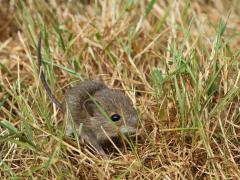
column 97, row 111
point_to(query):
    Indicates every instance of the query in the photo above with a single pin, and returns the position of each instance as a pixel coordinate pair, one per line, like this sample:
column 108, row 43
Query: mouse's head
column 113, row 113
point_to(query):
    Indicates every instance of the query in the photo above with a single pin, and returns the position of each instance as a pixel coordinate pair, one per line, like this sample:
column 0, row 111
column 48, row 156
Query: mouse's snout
column 130, row 127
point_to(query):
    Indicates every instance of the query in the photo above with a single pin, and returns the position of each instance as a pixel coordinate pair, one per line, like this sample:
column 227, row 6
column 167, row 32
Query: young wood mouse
column 96, row 108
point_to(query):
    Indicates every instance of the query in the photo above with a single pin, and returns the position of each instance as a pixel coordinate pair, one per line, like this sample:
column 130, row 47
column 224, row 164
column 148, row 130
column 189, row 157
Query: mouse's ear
column 90, row 106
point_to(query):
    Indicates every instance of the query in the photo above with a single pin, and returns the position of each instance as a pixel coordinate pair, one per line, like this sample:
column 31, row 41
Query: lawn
column 178, row 61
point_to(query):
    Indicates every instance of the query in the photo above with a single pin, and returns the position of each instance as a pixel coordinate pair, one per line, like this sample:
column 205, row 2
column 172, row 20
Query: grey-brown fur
column 86, row 101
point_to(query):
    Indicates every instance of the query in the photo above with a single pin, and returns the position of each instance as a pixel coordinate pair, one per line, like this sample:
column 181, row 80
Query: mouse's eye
column 115, row 117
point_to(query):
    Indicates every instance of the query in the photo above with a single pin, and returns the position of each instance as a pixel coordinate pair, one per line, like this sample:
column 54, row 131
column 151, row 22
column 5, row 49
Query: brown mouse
column 95, row 108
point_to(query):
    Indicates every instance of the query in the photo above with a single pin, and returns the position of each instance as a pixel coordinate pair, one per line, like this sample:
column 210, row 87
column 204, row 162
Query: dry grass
column 177, row 60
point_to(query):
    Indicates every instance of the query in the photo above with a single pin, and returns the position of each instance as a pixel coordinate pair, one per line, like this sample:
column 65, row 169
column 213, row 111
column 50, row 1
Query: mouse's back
column 77, row 96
